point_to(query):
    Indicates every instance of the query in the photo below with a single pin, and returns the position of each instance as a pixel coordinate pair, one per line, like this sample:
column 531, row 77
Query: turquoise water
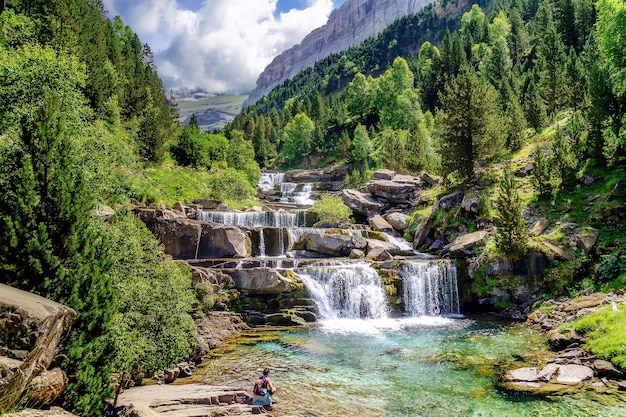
column 431, row 367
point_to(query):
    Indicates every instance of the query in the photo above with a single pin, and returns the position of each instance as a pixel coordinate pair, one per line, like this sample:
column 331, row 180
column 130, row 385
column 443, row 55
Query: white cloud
column 224, row 45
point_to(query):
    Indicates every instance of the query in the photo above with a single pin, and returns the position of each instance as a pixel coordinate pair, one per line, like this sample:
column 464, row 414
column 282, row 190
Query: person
column 263, row 390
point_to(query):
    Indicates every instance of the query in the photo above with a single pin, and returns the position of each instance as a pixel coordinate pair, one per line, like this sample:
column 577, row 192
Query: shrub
column 230, row 184
column 332, row 210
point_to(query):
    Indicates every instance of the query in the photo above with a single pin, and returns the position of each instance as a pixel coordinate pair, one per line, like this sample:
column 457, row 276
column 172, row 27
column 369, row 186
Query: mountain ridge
column 348, row 26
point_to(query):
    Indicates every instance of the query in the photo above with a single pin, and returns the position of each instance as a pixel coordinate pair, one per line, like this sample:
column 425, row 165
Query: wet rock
column 222, row 241
column 446, row 202
column 379, row 224
column 539, row 227
column 621, row 385
column 329, row 174
column 463, row 246
column 374, row 244
column 399, row 221
column 214, row 329
column 437, row 245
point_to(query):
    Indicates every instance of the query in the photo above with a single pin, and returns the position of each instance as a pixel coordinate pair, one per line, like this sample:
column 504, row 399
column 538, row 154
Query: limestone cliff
column 348, row 26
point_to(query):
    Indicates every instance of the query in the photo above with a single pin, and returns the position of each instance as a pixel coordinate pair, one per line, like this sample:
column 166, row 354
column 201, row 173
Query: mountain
column 348, row 26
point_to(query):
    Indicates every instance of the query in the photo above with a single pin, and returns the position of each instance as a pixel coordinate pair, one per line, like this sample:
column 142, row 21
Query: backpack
column 260, row 386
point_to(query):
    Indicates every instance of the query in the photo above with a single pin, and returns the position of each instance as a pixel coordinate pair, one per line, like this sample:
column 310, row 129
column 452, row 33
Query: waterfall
column 268, row 180
column 291, row 196
column 346, row 291
column 430, row 287
column 253, row 219
column 261, row 243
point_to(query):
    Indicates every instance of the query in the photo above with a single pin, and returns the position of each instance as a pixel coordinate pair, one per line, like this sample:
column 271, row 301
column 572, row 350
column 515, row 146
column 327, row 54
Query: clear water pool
column 431, row 367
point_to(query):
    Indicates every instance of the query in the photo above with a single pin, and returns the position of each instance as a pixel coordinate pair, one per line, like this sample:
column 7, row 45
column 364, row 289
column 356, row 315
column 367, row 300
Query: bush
column 332, row 210
column 230, row 184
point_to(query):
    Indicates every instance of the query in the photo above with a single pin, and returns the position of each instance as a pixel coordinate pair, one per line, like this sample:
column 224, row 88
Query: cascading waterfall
column 254, row 219
column 268, row 180
column 430, row 288
column 346, row 291
column 290, row 195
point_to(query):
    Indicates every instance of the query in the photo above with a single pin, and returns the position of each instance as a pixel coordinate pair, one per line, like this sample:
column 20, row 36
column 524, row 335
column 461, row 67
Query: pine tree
column 470, row 124
column 511, row 233
column 541, row 173
column 48, row 245
column 551, row 63
column 534, row 107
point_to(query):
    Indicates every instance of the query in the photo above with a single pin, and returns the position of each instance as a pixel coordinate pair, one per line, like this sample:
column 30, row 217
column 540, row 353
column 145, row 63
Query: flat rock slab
column 573, row 374
column 188, row 400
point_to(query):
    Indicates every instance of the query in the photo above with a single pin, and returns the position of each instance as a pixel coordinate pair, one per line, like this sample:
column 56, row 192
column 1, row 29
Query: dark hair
column 266, row 371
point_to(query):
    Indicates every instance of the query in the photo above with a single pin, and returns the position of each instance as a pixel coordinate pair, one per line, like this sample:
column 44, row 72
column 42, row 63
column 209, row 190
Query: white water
column 290, row 195
column 268, row 180
column 430, row 288
column 253, row 219
column 349, row 291
column 261, row 244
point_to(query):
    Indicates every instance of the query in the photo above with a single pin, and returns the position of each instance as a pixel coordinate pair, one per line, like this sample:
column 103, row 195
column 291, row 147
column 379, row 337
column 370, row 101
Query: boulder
column 171, row 375
column 573, row 374
column 378, row 223
column 384, row 174
column 374, row 244
column 214, row 329
column 421, row 233
column 261, row 280
column 593, row 300
column 379, row 254
column 586, row 239
column 356, row 254
column 331, row 243
column 399, row 221
column 430, row 179
column 363, row 204
column 446, row 202
column 587, row 180
column 207, row 203
column 329, row 174
column 103, row 212
column 524, row 171
column 222, row 241
column 621, row 386
column 46, row 387
column 399, row 190
column 470, row 204
column 606, row 369
column 557, row 251
column 180, row 237
column 463, row 246
column 539, row 227
column 35, row 325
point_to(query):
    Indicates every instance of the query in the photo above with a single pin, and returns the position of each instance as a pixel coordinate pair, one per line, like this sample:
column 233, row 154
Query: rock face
column 32, row 330
column 361, row 203
column 348, row 26
column 400, row 189
column 191, row 239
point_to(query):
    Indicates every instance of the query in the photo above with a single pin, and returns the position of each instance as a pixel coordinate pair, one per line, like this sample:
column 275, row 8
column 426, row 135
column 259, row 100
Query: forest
column 86, row 123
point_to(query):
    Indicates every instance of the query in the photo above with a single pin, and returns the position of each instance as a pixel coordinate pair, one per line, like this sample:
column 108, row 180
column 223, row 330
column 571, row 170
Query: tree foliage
column 511, row 232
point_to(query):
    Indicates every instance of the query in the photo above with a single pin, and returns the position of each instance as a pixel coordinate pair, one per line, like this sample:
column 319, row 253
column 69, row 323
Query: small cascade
column 346, row 291
column 430, row 288
column 261, row 243
column 291, row 195
column 268, row 180
column 254, row 219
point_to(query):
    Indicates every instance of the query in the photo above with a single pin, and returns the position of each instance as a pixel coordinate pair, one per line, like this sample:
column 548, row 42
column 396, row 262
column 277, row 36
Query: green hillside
column 213, row 113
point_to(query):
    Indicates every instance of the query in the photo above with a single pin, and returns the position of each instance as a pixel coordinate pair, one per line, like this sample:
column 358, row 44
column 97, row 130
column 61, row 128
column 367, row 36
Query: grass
column 606, row 333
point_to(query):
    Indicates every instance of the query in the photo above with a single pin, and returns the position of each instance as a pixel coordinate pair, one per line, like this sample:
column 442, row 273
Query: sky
column 219, row 46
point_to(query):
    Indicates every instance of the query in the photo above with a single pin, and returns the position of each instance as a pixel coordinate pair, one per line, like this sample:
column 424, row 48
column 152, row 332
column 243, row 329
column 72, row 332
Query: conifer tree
column 511, row 233
column 541, row 173
column 48, row 245
column 534, row 107
column 470, row 124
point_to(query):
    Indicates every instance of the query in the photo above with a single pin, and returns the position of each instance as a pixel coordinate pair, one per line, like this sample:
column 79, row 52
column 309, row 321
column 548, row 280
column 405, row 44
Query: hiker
column 263, row 390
